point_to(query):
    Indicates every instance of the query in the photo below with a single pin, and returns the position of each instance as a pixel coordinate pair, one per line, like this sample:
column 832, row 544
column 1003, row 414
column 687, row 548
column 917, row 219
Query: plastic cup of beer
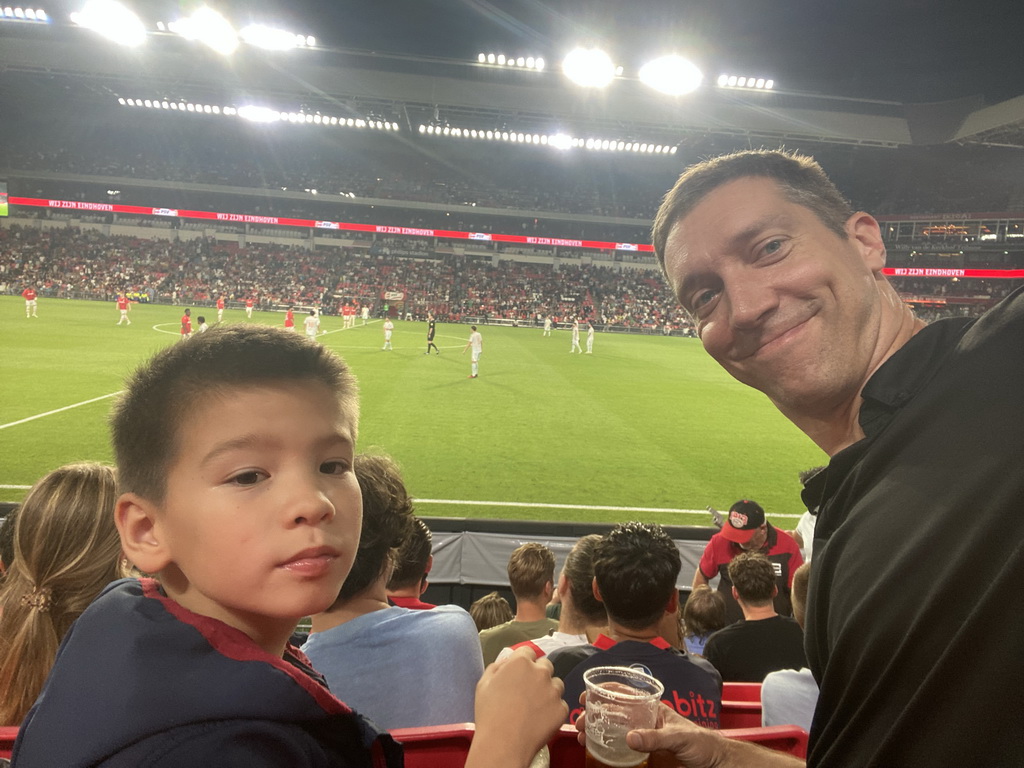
column 619, row 700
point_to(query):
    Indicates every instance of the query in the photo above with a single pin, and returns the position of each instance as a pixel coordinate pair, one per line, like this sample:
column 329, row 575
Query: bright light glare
column 268, row 38
column 259, row 114
column 208, row 27
column 673, row 75
column 560, row 141
column 590, row 68
column 112, row 20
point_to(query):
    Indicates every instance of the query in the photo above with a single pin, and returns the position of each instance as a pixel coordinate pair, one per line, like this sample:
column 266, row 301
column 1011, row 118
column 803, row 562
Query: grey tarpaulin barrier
column 471, row 555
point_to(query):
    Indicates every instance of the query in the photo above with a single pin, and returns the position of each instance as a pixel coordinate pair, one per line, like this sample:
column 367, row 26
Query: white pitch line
column 58, row 410
column 463, row 502
column 595, row 507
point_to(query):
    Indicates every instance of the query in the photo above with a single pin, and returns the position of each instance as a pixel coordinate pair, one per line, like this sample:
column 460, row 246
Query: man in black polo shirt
column 914, row 616
column 746, row 530
column 763, row 641
column 635, row 572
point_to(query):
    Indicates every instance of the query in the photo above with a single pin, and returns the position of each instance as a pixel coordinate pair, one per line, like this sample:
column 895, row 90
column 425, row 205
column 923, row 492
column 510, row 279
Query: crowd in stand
column 69, row 262
column 82, row 263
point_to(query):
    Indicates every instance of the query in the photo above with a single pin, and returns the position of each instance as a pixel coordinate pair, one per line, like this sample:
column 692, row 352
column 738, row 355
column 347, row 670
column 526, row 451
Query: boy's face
column 262, row 511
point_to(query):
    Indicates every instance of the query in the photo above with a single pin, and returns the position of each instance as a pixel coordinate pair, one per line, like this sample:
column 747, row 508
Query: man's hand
column 519, row 708
column 675, row 741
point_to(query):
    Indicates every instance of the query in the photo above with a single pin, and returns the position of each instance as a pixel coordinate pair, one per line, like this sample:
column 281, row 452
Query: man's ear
column 775, row 591
column 596, row 590
column 735, row 594
column 673, row 602
column 865, row 232
column 141, row 535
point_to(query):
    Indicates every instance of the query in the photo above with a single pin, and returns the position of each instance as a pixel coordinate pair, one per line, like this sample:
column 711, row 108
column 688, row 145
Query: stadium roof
column 876, row 72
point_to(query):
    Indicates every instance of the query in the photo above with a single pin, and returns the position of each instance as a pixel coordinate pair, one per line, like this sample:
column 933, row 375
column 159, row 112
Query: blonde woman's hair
column 66, row 550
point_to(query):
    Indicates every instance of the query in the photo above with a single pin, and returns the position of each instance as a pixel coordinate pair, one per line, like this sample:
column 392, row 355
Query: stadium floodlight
column 672, row 75
column 256, row 114
column 589, row 67
column 208, row 27
column 270, row 38
column 111, row 20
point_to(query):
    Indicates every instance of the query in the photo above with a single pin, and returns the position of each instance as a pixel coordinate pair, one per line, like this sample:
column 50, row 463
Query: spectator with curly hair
column 636, row 568
column 400, row 667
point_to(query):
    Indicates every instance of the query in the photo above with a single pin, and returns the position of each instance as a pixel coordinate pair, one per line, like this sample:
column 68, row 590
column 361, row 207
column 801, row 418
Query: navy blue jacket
column 141, row 681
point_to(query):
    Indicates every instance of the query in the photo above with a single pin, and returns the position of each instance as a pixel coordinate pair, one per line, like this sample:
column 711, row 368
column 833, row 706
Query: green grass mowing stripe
column 646, row 421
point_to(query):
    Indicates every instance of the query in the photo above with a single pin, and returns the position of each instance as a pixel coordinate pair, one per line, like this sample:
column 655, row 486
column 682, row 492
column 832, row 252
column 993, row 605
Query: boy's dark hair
column 387, row 521
column 159, row 396
column 800, row 178
column 636, row 567
column 579, row 574
column 704, row 612
column 413, row 556
column 754, row 578
column 530, row 567
column 489, row 611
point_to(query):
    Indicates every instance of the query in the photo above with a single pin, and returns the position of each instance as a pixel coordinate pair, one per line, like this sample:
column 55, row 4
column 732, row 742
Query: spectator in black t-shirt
column 763, row 641
column 636, row 567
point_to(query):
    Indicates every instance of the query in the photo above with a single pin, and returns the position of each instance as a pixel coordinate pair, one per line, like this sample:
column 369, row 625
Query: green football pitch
column 646, row 428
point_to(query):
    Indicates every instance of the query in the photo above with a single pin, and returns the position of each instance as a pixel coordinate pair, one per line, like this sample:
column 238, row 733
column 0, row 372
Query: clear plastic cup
column 619, row 700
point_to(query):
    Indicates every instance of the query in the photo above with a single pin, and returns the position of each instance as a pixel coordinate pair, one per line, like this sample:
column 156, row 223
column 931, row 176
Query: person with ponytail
column 66, row 550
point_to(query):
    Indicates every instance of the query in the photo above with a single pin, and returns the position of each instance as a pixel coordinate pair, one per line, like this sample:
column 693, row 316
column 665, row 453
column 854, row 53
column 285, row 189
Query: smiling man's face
column 780, row 301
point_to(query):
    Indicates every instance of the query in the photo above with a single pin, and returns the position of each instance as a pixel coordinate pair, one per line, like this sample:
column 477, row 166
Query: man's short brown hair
column 530, row 568
column 800, row 178
column 754, row 578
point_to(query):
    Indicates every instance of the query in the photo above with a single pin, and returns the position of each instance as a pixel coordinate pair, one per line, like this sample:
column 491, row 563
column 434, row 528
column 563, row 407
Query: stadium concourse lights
column 257, row 114
column 534, row 63
column 32, row 15
column 745, row 83
column 556, row 140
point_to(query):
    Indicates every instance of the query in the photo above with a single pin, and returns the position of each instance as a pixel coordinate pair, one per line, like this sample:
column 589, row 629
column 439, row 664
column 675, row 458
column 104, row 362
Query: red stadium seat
column 741, row 692
column 446, row 746
column 7, row 737
column 781, row 738
column 741, row 705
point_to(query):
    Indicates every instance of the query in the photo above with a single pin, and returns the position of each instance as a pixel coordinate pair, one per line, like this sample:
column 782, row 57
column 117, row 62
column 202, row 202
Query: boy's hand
column 519, row 708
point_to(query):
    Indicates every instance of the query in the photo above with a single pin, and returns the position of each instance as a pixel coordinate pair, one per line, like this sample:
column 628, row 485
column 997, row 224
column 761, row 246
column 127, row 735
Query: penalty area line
column 589, row 507
column 59, row 410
